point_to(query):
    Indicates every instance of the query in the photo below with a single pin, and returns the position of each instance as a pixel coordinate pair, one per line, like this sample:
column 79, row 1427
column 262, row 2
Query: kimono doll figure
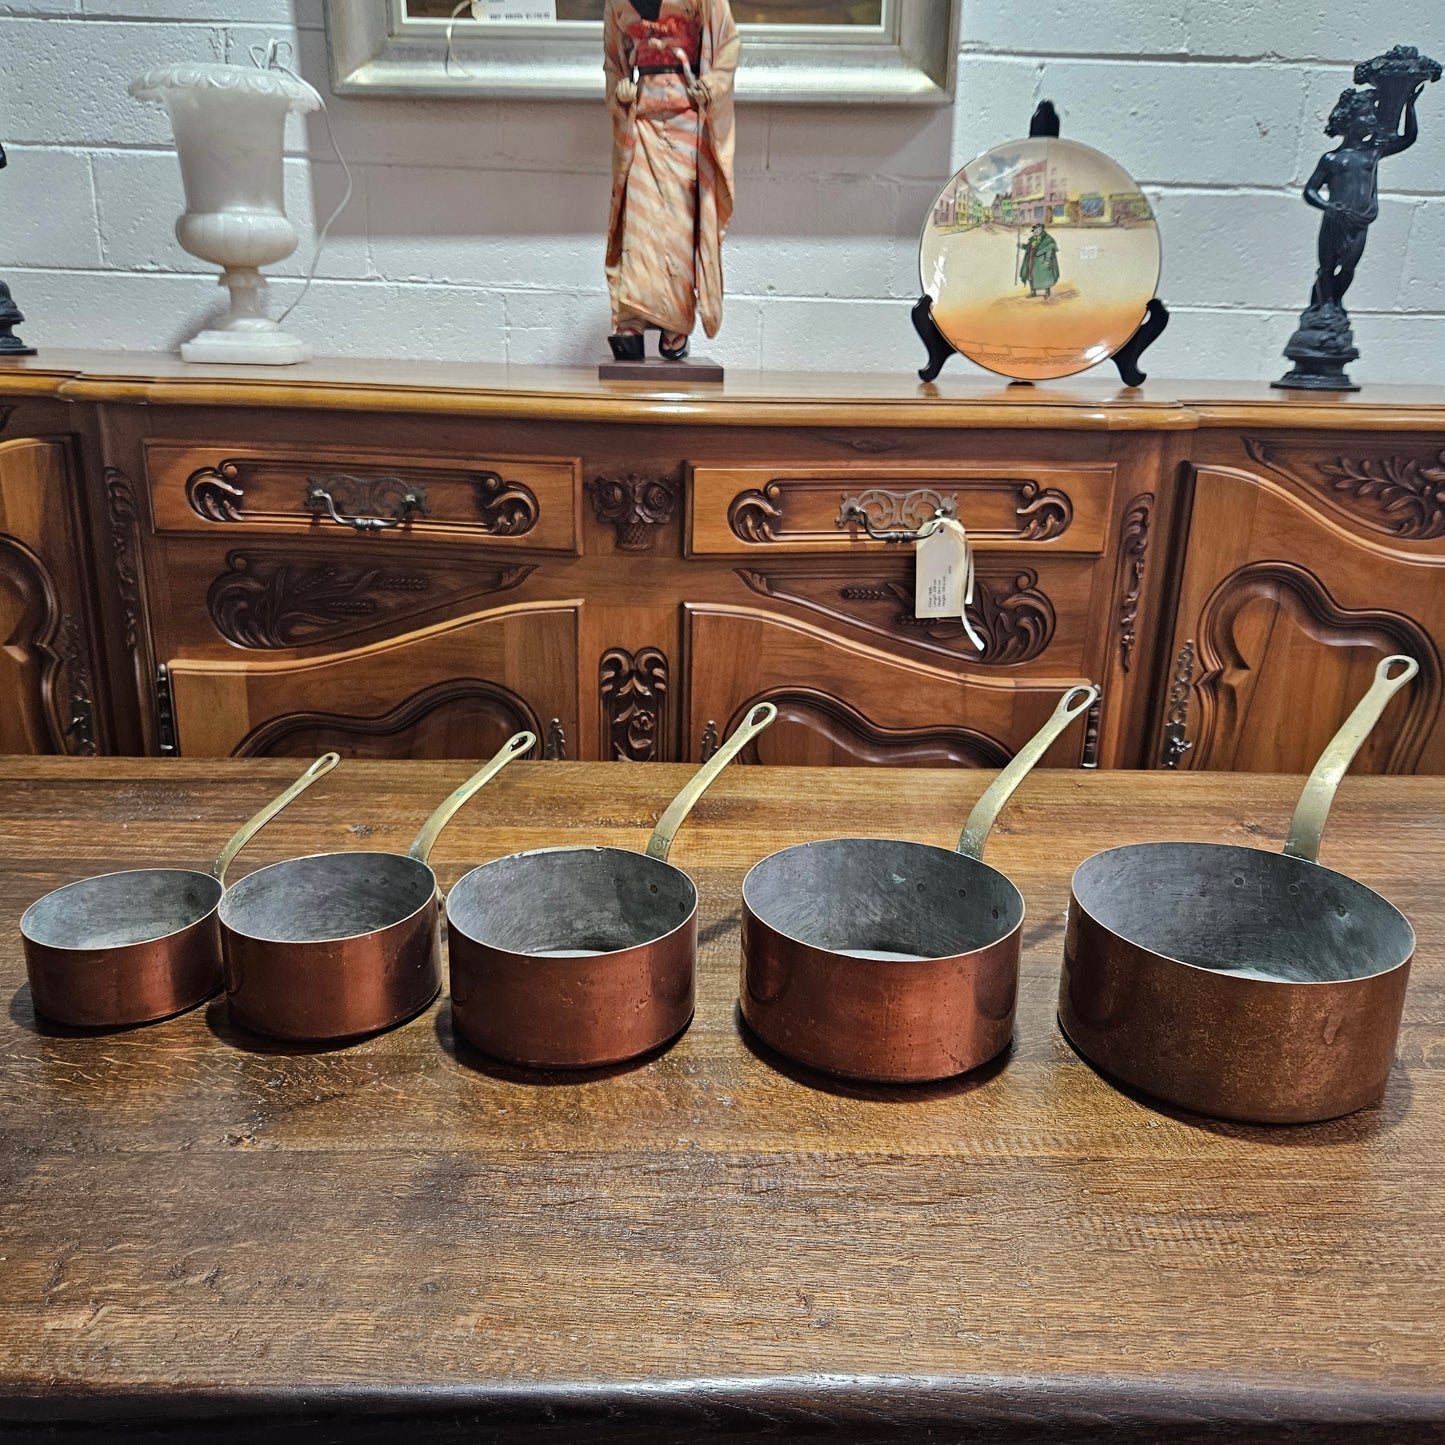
column 670, row 66
column 1039, row 268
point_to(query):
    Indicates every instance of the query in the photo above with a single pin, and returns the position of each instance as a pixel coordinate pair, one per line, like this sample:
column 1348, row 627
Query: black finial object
column 10, row 317
column 1345, row 186
column 1045, row 121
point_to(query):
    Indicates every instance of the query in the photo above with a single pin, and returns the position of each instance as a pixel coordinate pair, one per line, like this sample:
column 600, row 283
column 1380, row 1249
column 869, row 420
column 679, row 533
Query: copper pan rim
column 229, row 898
column 843, row 956
column 50, row 899
column 592, row 954
column 1278, row 861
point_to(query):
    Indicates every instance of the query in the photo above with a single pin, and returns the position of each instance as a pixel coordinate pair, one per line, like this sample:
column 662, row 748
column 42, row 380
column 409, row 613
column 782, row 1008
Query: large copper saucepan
column 128, row 948
column 886, row 960
column 577, row 957
column 1239, row 983
column 341, row 944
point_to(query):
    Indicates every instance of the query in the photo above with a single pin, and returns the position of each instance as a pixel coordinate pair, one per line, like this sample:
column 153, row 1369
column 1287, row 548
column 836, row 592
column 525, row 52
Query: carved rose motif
column 633, row 505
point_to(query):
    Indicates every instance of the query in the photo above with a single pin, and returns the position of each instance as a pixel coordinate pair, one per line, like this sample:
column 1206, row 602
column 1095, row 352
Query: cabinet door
column 454, row 690
column 1294, row 588
column 45, row 650
column 842, row 702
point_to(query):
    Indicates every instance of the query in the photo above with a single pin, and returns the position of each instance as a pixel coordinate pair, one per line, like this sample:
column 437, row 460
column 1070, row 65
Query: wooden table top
column 958, row 399
column 338, row 1244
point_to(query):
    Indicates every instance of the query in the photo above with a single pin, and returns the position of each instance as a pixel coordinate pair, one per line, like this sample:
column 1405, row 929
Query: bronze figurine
column 1345, row 186
column 10, row 314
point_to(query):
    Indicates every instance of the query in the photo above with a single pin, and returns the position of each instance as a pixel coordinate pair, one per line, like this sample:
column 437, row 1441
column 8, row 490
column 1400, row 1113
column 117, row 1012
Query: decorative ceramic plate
column 1041, row 257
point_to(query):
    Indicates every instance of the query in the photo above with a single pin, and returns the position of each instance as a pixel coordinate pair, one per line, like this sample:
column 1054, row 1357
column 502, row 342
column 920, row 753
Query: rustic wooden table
column 201, row 1230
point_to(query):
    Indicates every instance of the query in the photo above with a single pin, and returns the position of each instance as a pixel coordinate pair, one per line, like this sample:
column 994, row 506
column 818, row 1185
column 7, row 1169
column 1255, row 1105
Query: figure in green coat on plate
column 1039, row 270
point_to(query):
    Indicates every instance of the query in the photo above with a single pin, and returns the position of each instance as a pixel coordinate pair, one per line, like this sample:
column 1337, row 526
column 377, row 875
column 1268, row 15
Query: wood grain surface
column 772, row 398
column 398, row 1239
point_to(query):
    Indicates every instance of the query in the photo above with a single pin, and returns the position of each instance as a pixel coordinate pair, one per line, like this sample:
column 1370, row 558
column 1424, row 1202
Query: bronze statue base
column 1319, row 348
column 1322, row 374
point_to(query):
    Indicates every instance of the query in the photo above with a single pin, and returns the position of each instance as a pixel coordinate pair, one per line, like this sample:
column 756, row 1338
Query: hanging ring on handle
column 758, row 718
column 1074, row 703
column 1313, row 807
column 253, row 825
column 514, row 747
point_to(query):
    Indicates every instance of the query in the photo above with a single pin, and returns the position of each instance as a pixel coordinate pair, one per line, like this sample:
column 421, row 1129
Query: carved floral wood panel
column 1393, row 489
column 1290, row 610
column 332, row 492
column 272, row 599
column 843, row 701
column 735, row 510
column 633, row 688
column 635, row 506
column 1010, row 611
column 46, row 682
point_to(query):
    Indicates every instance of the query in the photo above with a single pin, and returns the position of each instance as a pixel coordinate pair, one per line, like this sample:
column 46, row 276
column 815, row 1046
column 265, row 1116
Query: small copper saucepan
column 1239, row 983
column 132, row 947
column 341, row 944
column 887, row 960
column 577, row 957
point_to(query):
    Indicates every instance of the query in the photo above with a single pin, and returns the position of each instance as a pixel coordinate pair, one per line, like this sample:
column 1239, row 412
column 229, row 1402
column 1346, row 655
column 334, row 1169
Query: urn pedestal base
column 246, row 348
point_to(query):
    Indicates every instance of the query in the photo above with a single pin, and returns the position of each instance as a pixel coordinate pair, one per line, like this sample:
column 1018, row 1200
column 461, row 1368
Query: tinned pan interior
column 1235, row 982
column 572, row 957
column 881, row 959
column 331, row 946
column 124, row 948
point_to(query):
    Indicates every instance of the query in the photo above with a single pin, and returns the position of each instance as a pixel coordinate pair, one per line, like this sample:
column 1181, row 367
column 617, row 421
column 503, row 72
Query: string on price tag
column 943, row 585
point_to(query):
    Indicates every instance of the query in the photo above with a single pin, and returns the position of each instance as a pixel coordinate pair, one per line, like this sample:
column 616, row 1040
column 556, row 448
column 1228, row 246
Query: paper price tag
column 525, row 11
column 943, row 583
column 942, row 576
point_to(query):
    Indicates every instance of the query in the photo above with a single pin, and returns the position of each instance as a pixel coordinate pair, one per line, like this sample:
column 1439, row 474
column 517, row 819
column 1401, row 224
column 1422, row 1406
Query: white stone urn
column 229, row 123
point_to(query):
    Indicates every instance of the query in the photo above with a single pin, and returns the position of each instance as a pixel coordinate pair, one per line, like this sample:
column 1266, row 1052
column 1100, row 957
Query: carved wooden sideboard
column 416, row 559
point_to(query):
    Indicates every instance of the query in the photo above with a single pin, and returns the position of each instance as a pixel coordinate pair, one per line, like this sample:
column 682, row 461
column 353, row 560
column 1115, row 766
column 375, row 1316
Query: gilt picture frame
column 883, row 52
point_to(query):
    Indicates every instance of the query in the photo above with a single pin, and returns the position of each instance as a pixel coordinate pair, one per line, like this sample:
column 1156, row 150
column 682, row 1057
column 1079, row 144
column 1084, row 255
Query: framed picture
column 890, row 52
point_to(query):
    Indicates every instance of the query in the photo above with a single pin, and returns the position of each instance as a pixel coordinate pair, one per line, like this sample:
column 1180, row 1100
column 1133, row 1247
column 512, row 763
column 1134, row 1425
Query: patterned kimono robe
column 672, row 167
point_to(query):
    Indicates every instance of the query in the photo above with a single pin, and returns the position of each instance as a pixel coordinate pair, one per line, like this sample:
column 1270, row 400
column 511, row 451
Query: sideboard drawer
column 527, row 503
column 737, row 510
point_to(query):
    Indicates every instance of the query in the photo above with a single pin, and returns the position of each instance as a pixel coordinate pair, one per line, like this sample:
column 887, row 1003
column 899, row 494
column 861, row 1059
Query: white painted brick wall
column 476, row 229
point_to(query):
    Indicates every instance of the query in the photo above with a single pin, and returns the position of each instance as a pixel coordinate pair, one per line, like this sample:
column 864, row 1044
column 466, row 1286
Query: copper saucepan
column 576, row 957
column 133, row 947
column 1239, row 983
column 887, row 960
column 341, row 944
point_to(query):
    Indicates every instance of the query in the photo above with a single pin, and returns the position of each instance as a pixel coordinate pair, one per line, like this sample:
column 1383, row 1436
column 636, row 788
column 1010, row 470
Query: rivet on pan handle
column 1313, row 807
column 252, row 826
column 1074, row 703
column 667, row 826
column 514, row 747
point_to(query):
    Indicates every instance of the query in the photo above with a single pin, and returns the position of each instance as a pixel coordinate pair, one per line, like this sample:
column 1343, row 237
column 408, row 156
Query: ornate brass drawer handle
column 918, row 507
column 404, row 499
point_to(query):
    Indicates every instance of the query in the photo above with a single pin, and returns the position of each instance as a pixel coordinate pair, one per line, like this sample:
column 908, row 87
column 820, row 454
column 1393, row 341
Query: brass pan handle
column 514, row 747
column 1074, row 703
column 1313, row 807
column 252, row 826
column 662, row 835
